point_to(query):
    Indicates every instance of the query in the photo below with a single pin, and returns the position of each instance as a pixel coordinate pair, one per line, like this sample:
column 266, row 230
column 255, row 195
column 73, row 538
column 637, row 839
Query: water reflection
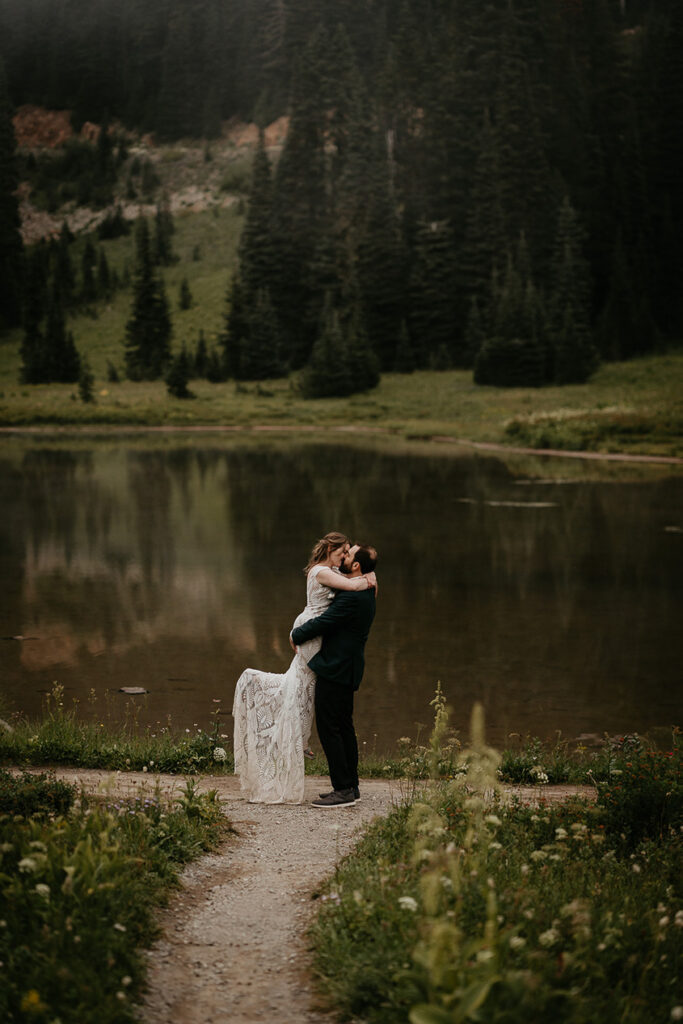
column 556, row 603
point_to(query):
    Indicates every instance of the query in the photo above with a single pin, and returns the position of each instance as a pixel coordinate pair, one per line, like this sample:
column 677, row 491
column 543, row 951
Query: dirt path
column 233, row 944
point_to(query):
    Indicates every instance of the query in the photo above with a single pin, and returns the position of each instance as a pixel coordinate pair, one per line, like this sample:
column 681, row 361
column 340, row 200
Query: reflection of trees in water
column 534, row 609
column 149, row 489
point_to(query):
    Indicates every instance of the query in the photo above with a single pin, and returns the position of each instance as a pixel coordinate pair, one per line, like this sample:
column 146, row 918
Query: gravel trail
column 233, row 946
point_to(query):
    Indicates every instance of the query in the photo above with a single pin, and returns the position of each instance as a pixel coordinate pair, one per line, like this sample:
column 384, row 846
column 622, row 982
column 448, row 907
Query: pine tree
column 405, row 357
column 363, row 362
column 300, row 206
column 62, row 267
column 61, row 360
column 261, row 351
column 575, row 355
column 185, row 295
column 10, row 237
column 163, row 235
column 201, row 356
column 236, row 329
column 86, row 382
column 256, row 254
column 148, row 330
column 104, row 279
column 88, row 265
column 328, row 374
column 178, row 375
column 433, row 322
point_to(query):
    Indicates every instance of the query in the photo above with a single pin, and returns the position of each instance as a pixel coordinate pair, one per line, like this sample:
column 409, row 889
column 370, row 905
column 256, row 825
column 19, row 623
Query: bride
column 273, row 712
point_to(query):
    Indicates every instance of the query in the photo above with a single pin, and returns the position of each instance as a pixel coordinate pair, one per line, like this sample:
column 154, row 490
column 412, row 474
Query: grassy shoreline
column 62, row 737
column 630, row 407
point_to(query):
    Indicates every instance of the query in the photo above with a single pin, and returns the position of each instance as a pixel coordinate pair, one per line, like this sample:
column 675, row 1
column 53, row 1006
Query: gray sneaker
column 356, row 794
column 337, row 798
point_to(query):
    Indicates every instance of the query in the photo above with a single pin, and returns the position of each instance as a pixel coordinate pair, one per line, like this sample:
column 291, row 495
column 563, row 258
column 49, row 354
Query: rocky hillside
column 190, row 175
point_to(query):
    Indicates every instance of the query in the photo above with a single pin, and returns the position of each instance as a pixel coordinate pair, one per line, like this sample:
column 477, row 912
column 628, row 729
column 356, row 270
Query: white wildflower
column 517, row 942
column 407, row 903
column 43, row 890
column 538, row 855
column 677, row 1013
column 493, row 819
column 561, row 833
column 663, row 921
column 27, row 864
column 126, row 981
column 678, row 919
column 484, row 954
column 119, row 927
column 636, row 869
column 548, row 938
column 495, row 846
column 219, row 754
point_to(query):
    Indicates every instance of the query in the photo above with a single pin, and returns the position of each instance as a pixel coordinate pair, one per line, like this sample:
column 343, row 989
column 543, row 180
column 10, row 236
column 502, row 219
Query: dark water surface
column 554, row 598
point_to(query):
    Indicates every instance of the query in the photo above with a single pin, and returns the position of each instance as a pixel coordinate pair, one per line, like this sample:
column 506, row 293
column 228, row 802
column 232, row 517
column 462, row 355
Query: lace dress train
column 273, row 715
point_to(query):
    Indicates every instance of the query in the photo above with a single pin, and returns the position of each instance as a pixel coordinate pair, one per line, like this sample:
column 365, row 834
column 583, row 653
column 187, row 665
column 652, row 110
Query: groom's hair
column 366, row 558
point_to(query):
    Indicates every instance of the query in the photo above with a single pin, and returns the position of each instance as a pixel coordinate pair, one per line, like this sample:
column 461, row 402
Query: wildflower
column 37, row 845
column 517, row 942
column 144, row 767
column 663, row 921
column 43, row 890
column 407, row 903
column 27, row 864
column 677, row 1013
column 32, row 1004
column 560, row 833
column 127, row 980
column 219, row 754
column 493, row 819
column 495, row 846
column 119, row 927
column 484, row 954
column 524, row 869
column 548, row 938
column 120, row 996
column 538, row 855
column 636, row 869
column 678, row 919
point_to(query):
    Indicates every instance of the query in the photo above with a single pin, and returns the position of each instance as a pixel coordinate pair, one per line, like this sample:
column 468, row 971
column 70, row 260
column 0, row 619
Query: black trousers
column 334, row 720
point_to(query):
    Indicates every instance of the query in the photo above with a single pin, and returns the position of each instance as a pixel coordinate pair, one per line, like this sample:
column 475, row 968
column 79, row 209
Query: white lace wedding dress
column 273, row 715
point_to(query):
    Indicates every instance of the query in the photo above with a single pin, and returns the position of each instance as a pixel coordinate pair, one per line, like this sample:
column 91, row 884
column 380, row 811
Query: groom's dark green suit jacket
column 344, row 628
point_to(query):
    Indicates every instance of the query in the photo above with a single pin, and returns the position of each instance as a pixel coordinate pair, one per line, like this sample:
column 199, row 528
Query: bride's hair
column 330, row 542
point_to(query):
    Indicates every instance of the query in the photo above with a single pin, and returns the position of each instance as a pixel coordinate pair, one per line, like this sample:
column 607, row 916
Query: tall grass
column 78, row 887
column 459, row 907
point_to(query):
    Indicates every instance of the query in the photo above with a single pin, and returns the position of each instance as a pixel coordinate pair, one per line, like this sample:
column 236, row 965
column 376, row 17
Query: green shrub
column 34, row 794
column 643, row 798
column 77, row 894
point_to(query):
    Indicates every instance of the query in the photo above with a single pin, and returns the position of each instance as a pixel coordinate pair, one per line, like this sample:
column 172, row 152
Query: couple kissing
column 273, row 712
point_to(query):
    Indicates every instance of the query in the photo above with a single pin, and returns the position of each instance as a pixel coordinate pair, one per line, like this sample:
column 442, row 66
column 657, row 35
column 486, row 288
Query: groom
column 339, row 666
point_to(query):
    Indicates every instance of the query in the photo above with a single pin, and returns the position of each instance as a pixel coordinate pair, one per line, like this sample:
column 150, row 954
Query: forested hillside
column 465, row 183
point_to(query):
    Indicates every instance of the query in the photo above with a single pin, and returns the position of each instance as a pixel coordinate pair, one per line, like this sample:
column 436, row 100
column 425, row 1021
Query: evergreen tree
column 86, row 382
column 570, row 303
column 178, row 375
column 62, row 267
column 261, row 351
column 185, row 295
column 256, row 252
column 300, row 206
column 148, row 330
column 201, row 356
column 88, row 266
column 485, row 238
column 163, row 235
column 433, row 322
column 236, row 329
column 10, row 238
column 405, row 357
column 104, row 279
column 328, row 374
column 362, row 360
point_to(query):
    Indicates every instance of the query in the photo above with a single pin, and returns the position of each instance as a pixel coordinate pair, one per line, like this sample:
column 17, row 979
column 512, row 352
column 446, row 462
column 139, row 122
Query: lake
column 550, row 590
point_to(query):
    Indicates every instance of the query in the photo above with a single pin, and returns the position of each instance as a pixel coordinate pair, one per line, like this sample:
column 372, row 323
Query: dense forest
column 487, row 183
